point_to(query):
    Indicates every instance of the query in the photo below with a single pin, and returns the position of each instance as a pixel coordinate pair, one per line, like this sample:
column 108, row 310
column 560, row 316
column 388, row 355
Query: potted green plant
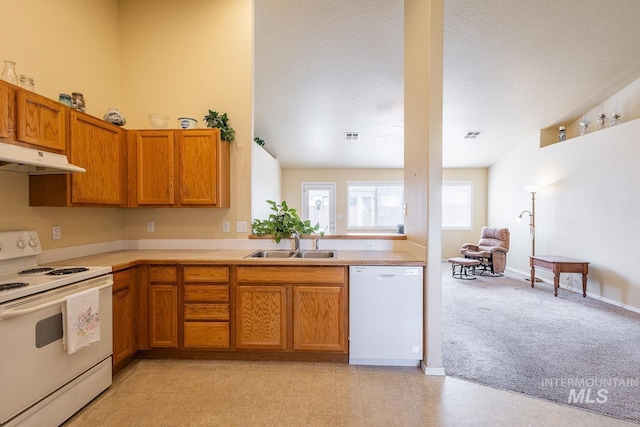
column 259, row 141
column 283, row 223
column 221, row 121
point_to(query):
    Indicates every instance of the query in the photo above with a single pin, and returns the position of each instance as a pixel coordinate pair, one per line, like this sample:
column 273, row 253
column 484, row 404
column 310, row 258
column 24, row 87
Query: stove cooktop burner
column 8, row 286
column 36, row 270
column 63, row 271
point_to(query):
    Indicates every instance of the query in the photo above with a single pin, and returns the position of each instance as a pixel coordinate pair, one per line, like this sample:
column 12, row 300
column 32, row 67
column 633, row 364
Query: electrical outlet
column 56, row 232
column 151, row 227
column 241, row 226
column 225, row 227
column 367, row 246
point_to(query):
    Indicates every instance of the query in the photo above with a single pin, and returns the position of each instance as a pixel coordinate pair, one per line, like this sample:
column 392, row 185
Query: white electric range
column 41, row 383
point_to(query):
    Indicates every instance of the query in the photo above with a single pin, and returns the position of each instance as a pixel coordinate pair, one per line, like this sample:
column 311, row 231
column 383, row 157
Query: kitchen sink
column 278, row 253
column 272, row 253
column 315, row 254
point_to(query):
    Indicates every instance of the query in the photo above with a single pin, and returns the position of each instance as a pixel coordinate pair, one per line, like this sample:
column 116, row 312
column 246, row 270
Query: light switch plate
column 241, row 226
column 225, row 226
column 151, row 227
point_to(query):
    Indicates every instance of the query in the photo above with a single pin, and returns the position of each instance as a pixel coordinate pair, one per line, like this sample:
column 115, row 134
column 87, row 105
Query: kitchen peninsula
column 223, row 304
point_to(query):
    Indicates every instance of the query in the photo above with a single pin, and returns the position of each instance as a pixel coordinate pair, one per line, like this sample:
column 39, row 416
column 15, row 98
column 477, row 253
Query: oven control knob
column 33, row 242
column 21, row 244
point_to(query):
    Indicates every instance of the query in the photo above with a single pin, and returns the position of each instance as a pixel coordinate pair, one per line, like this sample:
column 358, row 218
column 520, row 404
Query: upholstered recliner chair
column 491, row 250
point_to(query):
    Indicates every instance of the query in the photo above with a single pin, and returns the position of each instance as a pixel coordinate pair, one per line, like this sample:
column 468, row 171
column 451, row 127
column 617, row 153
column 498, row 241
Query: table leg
column 533, row 275
column 556, row 283
column 584, row 285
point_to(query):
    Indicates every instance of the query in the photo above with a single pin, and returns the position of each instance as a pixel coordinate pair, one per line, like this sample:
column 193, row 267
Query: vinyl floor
column 239, row 393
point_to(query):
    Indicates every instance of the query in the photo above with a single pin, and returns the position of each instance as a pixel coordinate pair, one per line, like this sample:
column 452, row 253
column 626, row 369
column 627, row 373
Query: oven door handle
column 15, row 312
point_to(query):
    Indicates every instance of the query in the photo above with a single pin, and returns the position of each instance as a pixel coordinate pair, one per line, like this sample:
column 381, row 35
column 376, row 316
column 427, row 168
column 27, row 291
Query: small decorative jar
column 65, row 98
column 9, row 72
column 187, row 123
column 77, row 101
column 562, row 133
column 584, row 124
column 27, row 82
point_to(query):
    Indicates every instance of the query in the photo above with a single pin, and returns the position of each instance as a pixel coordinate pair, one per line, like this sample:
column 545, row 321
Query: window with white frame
column 457, row 205
column 375, row 205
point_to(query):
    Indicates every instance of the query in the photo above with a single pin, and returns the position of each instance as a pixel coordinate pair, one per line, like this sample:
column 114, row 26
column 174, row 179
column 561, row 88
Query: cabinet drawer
column 206, row 335
column 206, row 274
column 168, row 273
column 206, row 312
column 122, row 279
column 206, row 293
column 302, row 274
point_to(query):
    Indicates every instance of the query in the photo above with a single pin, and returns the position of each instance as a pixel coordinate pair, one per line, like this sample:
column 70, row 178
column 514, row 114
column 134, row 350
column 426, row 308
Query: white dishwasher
column 385, row 315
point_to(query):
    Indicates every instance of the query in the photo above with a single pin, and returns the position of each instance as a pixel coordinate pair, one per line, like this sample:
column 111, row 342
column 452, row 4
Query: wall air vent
column 472, row 134
column 351, row 136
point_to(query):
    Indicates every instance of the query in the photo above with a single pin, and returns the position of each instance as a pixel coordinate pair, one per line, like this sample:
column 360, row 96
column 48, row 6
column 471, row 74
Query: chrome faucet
column 296, row 239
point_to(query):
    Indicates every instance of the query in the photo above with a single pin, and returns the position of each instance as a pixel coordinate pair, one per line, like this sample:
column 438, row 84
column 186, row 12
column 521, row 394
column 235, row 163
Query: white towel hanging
column 81, row 320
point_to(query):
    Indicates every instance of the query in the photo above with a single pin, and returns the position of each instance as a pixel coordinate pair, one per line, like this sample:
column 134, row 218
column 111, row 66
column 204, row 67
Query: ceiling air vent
column 472, row 134
column 351, row 136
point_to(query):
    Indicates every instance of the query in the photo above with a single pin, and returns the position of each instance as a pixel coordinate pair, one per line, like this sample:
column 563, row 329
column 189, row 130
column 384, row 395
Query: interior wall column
column 423, row 31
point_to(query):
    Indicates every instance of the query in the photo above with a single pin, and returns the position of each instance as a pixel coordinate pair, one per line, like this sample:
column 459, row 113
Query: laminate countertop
column 119, row 260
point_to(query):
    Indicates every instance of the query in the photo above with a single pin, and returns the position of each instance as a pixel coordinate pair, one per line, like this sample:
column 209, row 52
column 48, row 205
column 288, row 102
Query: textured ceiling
column 511, row 67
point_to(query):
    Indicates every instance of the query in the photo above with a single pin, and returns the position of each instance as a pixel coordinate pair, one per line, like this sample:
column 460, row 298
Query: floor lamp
column 533, row 189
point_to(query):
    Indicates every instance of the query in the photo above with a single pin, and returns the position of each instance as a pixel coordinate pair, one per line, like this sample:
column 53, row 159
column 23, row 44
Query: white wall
column 452, row 240
column 70, row 46
column 587, row 209
column 182, row 59
column 266, row 182
column 293, row 178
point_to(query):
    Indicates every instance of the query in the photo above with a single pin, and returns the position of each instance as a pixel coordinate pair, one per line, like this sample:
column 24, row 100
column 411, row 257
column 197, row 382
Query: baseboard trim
column 577, row 291
column 432, row 371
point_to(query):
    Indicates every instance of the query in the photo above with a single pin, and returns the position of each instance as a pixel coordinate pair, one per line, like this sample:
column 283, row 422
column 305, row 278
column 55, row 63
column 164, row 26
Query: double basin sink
column 279, row 253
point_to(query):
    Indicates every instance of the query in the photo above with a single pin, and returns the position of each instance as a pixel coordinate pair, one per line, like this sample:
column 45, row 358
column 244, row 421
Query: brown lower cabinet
column 261, row 317
column 206, row 307
column 301, row 308
column 319, row 318
column 243, row 311
column 163, row 306
column 124, row 317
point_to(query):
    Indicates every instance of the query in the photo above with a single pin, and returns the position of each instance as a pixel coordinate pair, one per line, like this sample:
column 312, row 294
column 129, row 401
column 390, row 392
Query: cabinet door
column 163, row 315
column 155, row 167
column 41, row 121
column 319, row 318
column 261, row 317
column 124, row 315
column 7, row 112
column 98, row 147
column 198, row 171
column 123, row 325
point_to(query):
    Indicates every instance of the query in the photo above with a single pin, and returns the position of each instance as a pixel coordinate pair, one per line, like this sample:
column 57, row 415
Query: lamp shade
column 532, row 188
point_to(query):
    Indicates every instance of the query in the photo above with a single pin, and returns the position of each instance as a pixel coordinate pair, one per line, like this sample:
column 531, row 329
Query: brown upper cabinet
column 31, row 120
column 97, row 146
column 7, row 112
column 178, row 168
column 138, row 168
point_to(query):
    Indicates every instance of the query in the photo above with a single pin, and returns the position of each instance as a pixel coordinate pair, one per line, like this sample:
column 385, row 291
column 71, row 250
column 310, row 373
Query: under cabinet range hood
column 14, row 158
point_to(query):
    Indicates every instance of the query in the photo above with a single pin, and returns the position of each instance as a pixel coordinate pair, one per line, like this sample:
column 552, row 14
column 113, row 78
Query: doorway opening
column 319, row 204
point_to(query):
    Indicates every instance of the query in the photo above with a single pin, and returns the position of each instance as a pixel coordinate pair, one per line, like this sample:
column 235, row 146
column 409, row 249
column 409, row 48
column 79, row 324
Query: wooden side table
column 559, row 264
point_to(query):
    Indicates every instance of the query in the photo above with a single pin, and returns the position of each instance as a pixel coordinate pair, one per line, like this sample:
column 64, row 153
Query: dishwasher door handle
column 386, row 276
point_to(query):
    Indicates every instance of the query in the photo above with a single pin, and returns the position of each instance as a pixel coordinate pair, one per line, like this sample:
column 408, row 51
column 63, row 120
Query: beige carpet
column 571, row 350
